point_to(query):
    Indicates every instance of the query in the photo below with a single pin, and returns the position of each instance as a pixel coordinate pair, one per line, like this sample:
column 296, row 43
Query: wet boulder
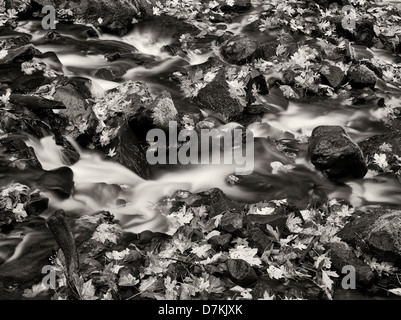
column 157, row 114
column 361, row 76
column 333, row 152
column 238, row 49
column 114, row 16
column 14, row 153
column 333, row 75
column 241, row 272
column 342, row 255
column 377, row 233
column 215, row 200
column 13, row 38
column 19, row 54
column 388, row 144
column 216, row 96
column 220, row 242
column 234, row 6
column 128, row 151
column 233, row 223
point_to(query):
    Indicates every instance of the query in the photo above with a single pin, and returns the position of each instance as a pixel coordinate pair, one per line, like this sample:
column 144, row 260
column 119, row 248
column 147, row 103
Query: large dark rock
column 116, row 15
column 239, row 49
column 276, row 221
column 216, row 201
column 332, row 74
column 232, row 222
column 258, row 239
column 59, row 181
column 361, row 77
column 216, row 96
column 220, row 242
column 334, row 153
column 20, row 54
column 157, row 114
column 35, row 102
column 238, row 5
column 241, row 272
column 377, row 233
column 15, row 153
column 372, row 146
column 13, row 38
column 342, row 255
column 129, row 152
column 292, row 289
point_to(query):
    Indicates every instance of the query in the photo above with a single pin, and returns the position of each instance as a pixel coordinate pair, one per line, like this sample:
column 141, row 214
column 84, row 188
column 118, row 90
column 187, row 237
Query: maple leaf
column 244, row 292
column 381, row 160
column 386, row 147
column 107, row 232
column 274, row 233
column 187, row 291
column 396, row 291
column 178, row 219
column 87, row 291
column 265, row 211
column 147, row 284
column 202, row 251
column 293, row 223
column 267, row 296
column 218, row 257
column 245, row 253
column 327, row 283
column 181, row 242
column 275, row 273
column 112, row 152
column 20, row 213
column 117, row 255
column 171, row 288
column 36, row 290
column 128, row 281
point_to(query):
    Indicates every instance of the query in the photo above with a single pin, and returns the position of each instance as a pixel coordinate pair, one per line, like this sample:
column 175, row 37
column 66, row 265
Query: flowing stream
column 82, row 57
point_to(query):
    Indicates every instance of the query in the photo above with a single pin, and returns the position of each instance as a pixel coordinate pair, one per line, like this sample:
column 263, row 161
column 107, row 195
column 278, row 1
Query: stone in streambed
column 60, row 181
column 157, row 114
column 220, row 242
column 332, row 74
column 128, row 151
column 342, row 255
column 35, row 102
column 36, row 204
column 377, row 233
column 373, row 145
column 232, row 222
column 13, row 38
column 241, row 272
column 216, row 201
column 235, row 6
column 238, row 49
column 20, row 54
column 15, row 153
column 334, row 153
column 361, row 76
column 216, row 96
column 258, row 239
column 276, row 221
column 116, row 16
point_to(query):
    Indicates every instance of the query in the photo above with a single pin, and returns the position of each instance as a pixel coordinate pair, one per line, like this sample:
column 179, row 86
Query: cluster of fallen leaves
column 183, row 264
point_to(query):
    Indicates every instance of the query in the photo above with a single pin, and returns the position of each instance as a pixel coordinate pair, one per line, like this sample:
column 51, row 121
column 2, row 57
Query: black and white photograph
column 198, row 158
